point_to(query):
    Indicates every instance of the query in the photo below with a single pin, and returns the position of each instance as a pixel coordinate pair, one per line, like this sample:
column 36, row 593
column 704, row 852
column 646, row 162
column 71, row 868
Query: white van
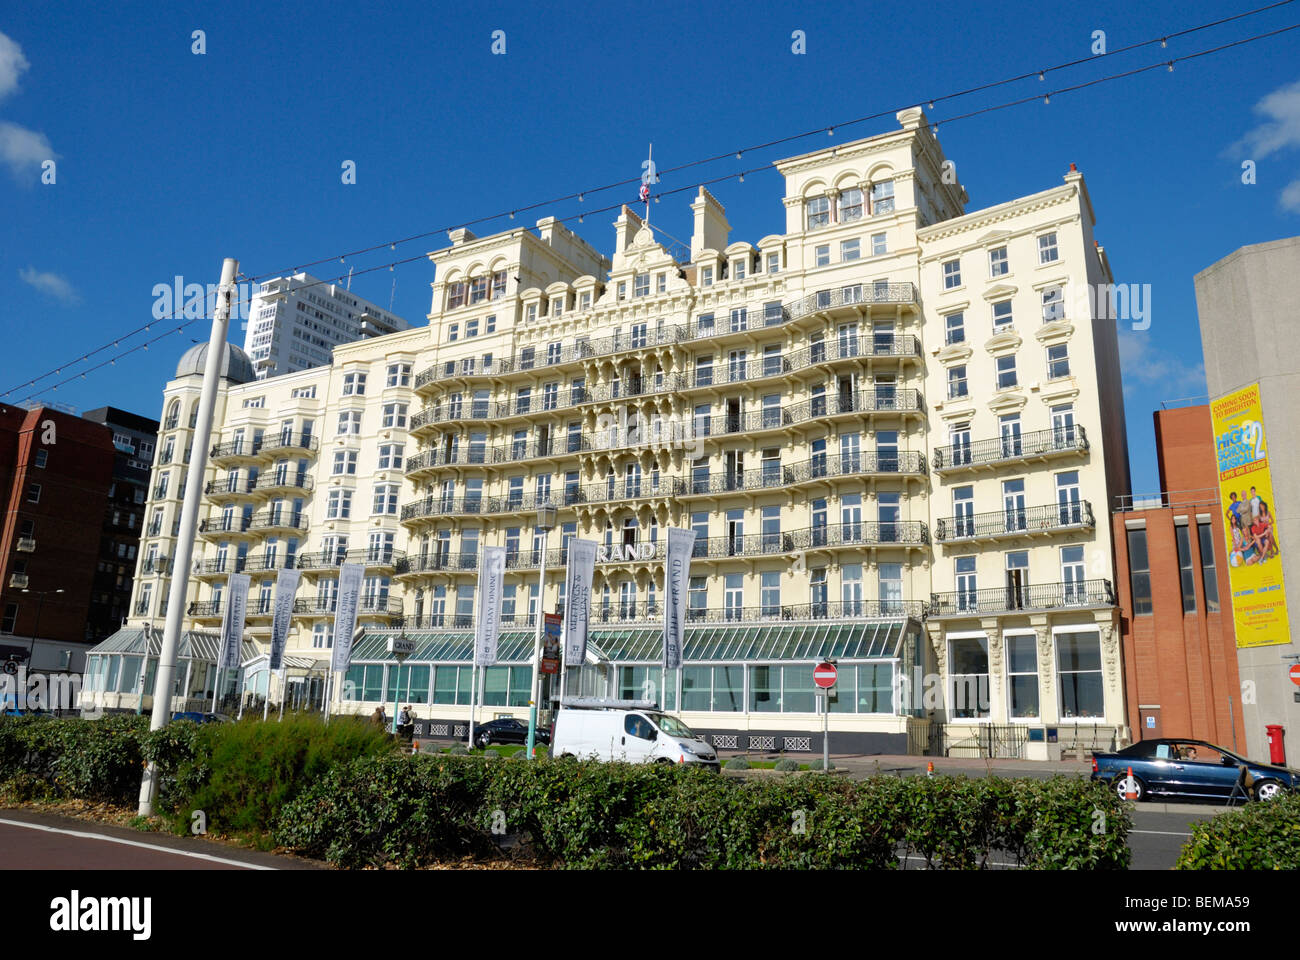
column 632, row 731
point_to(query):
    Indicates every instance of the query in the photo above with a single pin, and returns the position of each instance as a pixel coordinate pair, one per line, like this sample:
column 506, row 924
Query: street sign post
column 825, row 675
column 400, row 648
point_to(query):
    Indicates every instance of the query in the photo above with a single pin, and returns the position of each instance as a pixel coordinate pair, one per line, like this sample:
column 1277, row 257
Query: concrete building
column 295, row 322
column 1246, row 306
column 1180, row 656
column 893, row 425
column 56, row 470
column 124, row 512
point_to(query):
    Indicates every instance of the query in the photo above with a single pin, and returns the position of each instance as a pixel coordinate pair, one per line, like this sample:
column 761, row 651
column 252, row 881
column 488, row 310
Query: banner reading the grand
column 1249, row 518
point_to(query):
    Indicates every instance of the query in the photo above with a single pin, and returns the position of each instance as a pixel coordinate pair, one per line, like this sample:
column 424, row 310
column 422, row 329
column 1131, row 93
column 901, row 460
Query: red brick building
column 1180, row 656
column 55, row 473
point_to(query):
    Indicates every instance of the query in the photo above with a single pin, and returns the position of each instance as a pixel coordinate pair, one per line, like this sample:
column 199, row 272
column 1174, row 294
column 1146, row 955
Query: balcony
column 18, row 581
column 215, row 526
column 640, row 611
column 435, row 562
column 1039, row 445
column 140, row 608
column 887, row 462
column 854, row 297
column 283, row 480
column 468, row 457
column 329, row 560
column 228, row 486
column 384, row 606
column 288, row 441
column 458, row 410
column 205, row 609
column 235, row 450
column 26, row 545
column 158, row 565
column 1016, row 522
column 1074, row 594
column 278, row 520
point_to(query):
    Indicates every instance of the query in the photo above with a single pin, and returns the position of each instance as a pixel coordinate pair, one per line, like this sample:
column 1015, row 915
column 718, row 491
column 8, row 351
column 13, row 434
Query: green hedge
column 238, row 774
column 1261, row 836
column 414, row 811
column 67, row 758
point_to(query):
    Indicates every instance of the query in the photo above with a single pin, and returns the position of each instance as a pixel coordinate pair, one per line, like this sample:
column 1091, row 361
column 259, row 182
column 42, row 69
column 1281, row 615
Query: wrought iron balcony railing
column 1016, row 521
column 289, row 441
column 367, row 556
column 854, row 295
column 1040, row 596
column 1023, row 447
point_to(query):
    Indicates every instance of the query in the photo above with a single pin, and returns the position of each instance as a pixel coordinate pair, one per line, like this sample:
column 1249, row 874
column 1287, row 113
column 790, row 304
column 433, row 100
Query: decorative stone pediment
column 1000, row 291
column 1007, row 402
column 955, row 353
column 1007, row 341
column 1058, row 331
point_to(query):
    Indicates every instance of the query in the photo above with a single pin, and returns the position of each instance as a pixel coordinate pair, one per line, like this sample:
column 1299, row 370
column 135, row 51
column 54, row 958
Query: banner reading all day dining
column 487, row 624
column 232, row 621
column 286, row 585
column 677, row 571
column 577, row 599
column 345, row 614
column 1259, row 611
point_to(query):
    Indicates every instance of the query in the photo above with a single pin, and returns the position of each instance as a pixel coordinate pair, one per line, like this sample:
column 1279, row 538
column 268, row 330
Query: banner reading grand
column 345, row 615
column 677, row 572
column 233, row 620
column 1250, row 525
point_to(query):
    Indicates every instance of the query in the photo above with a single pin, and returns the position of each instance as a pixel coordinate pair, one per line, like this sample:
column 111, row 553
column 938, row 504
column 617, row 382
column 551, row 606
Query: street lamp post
column 36, row 628
column 545, row 523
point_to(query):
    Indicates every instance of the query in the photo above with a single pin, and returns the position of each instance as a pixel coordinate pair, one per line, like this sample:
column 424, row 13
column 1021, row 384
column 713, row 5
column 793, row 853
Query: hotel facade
column 894, row 427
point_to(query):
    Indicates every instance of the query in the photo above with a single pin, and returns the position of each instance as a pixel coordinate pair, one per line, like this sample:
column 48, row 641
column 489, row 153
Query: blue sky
column 168, row 161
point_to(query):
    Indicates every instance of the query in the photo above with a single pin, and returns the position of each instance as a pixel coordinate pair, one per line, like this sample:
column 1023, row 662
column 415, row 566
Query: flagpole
column 650, row 167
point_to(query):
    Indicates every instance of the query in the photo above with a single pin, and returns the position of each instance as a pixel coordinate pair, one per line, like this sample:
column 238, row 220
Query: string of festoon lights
column 175, row 323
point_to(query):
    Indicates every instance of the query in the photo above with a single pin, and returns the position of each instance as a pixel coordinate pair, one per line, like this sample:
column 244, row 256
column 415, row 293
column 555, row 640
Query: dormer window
column 819, row 213
column 738, row 270
column 456, row 294
column 661, row 282
column 850, row 205
column 557, row 306
column 882, row 197
column 706, row 277
column 641, row 285
column 774, row 263
column 622, row 290
column 530, row 312
column 584, row 300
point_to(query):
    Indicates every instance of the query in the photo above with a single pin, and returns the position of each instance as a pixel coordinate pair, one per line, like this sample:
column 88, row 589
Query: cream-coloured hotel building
column 894, row 425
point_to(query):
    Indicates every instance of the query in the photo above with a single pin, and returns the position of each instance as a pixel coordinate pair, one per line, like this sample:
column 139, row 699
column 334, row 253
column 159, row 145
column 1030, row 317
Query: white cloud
column 1280, row 127
column 1290, row 198
column 12, row 65
column 23, row 150
column 51, row 284
column 1144, row 364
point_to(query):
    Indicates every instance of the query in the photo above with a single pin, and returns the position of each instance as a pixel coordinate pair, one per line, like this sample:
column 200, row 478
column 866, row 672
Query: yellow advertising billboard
column 1249, row 521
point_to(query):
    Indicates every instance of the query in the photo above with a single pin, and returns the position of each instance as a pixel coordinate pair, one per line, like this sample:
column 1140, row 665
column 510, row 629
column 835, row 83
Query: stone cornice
column 986, row 218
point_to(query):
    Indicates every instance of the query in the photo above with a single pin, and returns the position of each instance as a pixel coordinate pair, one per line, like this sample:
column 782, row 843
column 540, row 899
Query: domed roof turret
column 235, row 363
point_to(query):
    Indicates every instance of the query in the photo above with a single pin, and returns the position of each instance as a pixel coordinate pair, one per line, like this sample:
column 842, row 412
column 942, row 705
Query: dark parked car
column 1189, row 768
column 198, row 717
column 507, row 730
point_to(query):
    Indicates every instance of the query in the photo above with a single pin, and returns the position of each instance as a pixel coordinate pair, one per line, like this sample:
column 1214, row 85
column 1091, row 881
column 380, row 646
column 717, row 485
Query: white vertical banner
column 286, row 585
column 487, row 621
column 580, row 572
column 232, row 621
column 677, row 571
column 345, row 614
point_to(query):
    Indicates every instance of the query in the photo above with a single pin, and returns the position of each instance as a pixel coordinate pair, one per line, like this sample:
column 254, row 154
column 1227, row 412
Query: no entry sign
column 1295, row 674
column 824, row 675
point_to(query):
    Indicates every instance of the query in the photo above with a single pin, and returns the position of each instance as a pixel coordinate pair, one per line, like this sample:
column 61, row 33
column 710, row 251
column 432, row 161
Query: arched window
column 819, row 213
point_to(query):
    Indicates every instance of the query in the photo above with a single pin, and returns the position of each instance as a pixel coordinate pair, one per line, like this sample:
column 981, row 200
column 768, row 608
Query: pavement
column 41, row 841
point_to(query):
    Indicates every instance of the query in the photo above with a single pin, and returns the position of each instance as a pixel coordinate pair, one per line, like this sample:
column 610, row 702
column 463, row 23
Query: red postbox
column 1276, row 749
